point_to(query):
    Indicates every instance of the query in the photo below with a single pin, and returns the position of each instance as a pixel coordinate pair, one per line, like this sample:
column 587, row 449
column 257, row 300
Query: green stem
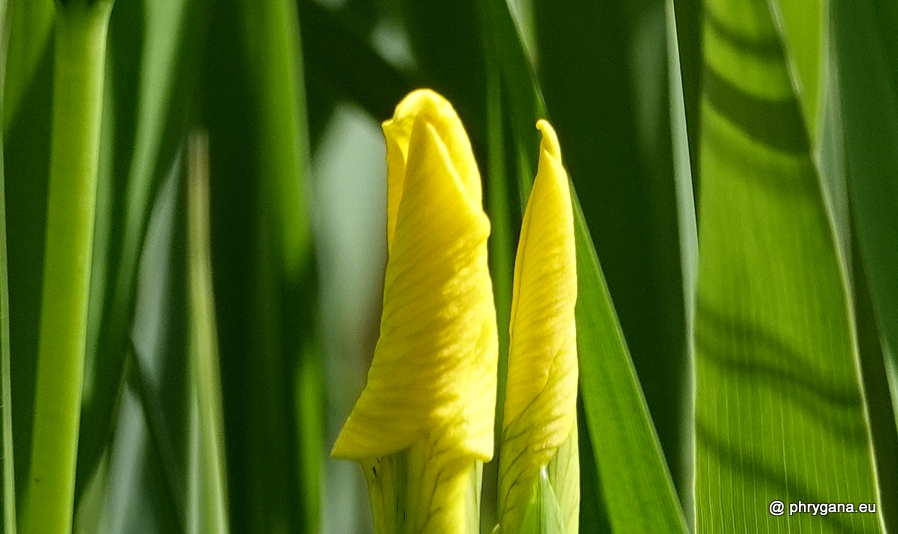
column 7, row 467
column 77, row 105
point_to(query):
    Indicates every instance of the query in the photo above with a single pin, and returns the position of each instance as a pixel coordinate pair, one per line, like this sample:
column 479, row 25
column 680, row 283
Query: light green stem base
column 77, row 106
column 411, row 492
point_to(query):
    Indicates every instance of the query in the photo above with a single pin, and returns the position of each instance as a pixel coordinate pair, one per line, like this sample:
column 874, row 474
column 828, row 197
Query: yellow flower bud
column 539, row 429
column 425, row 417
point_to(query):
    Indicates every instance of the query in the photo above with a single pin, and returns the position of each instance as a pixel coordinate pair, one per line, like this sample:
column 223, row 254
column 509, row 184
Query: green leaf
column 340, row 62
column 253, row 106
column 29, row 30
column 603, row 68
column 635, row 483
column 207, row 499
column 780, row 413
column 801, row 25
column 26, row 146
column 153, row 65
column 867, row 65
column 688, row 31
column 506, row 56
column 867, row 58
column 7, row 467
column 80, row 54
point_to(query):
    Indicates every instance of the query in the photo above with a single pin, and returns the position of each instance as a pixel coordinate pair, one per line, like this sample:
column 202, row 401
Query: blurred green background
column 290, row 96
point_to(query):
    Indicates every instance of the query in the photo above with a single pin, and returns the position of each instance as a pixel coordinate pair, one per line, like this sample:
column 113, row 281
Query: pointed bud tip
column 550, row 139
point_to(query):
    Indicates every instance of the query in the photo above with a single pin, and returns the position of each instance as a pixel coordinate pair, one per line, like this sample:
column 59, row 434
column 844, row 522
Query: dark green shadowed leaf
column 592, row 510
column 506, row 56
column 342, row 64
column 26, row 158
column 28, row 25
column 876, row 390
column 688, row 15
column 866, row 55
column 264, row 274
column 447, row 44
column 780, row 414
column 635, row 484
column 867, row 58
column 603, row 69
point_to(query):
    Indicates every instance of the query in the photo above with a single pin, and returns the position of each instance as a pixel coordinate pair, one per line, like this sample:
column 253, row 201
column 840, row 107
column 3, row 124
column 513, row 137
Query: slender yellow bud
column 424, row 421
column 538, row 455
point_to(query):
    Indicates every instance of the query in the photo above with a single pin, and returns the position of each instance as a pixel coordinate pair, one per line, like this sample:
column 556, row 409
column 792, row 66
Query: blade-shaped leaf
column 635, row 482
column 208, row 485
column 154, row 50
column 29, row 26
column 26, row 158
column 264, row 276
column 867, row 56
column 802, row 27
column 780, row 413
column 7, row 467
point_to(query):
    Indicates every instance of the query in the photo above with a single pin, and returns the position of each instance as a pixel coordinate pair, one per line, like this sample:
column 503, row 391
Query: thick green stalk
column 77, row 105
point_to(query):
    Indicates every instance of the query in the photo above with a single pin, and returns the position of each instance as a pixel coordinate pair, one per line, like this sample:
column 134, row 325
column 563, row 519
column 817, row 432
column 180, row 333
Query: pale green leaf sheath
column 780, row 412
column 539, row 474
column 424, row 422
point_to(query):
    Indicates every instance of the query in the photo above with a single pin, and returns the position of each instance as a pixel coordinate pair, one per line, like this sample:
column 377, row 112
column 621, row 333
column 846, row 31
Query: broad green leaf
column 801, row 25
column 780, row 413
